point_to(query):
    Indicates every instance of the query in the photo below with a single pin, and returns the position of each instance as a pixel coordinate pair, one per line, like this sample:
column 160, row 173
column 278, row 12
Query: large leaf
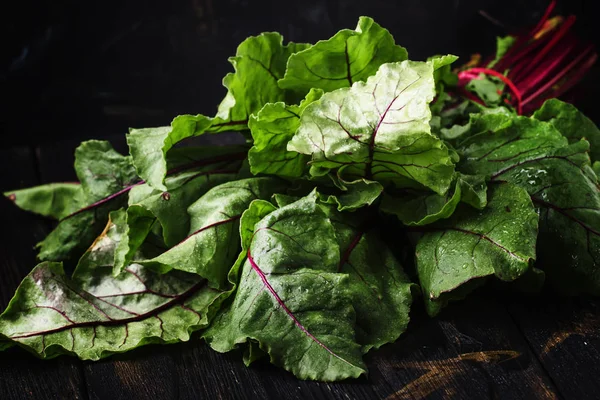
column 378, row 130
column 213, row 244
column 272, row 128
column 94, row 314
column 349, row 56
column 260, row 61
column 380, row 289
column 571, row 122
column 105, row 177
column 291, row 299
column 54, row 200
column 472, row 244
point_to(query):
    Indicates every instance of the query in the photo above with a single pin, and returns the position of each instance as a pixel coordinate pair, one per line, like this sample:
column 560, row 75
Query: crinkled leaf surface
column 54, row 200
column 105, row 177
column 94, row 314
column 380, row 289
column 349, row 56
column 260, row 61
column 571, row 122
column 378, row 130
column 498, row 240
column 213, row 243
column 354, row 195
column 291, row 299
column 272, row 128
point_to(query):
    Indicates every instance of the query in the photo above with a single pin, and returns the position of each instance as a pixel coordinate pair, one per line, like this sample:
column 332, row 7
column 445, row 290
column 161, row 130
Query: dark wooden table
column 494, row 345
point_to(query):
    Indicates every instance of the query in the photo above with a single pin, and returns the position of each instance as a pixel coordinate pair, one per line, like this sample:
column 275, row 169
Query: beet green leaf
column 54, row 200
column 213, row 243
column 94, row 314
column 381, row 292
column 378, row 130
column 472, row 244
column 349, row 56
column 291, row 299
column 272, row 128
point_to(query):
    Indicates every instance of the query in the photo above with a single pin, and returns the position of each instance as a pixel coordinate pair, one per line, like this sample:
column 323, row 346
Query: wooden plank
column 564, row 333
column 22, row 376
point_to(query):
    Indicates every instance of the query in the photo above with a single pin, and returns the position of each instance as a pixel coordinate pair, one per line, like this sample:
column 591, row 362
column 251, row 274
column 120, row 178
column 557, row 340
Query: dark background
column 91, row 69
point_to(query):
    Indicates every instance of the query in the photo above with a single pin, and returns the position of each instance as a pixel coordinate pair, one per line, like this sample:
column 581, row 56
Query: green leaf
column 378, row 130
column 260, row 61
column 94, row 314
column 105, row 177
column 503, row 45
column 473, row 190
column 498, row 141
column 565, row 189
column 272, row 128
column 148, row 146
column 354, row 195
column 380, row 290
column 213, row 243
column 534, row 155
column 148, row 207
column 290, row 298
column 571, row 122
column 101, row 170
column 414, row 207
column 54, row 200
column 349, row 56
column 472, row 244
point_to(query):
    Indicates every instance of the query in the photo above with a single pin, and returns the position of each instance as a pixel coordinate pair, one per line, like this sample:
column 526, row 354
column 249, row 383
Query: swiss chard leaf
column 272, row 128
column 472, row 244
column 148, row 207
column 94, row 314
column 212, row 246
column 571, row 123
column 354, row 195
column 149, row 146
column 105, row 177
column 381, row 291
column 54, row 200
column 378, row 130
column 260, row 61
column 291, row 299
column 349, row 56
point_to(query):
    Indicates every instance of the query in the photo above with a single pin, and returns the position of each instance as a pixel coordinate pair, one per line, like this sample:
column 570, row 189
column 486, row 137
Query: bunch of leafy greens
column 289, row 247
